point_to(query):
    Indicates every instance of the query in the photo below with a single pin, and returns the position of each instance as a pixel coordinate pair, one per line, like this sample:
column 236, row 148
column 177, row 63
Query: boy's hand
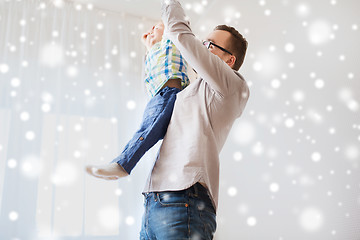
column 144, row 40
column 144, row 36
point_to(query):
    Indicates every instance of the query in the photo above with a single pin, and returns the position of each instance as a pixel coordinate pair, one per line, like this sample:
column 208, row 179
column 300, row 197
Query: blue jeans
column 178, row 215
column 155, row 121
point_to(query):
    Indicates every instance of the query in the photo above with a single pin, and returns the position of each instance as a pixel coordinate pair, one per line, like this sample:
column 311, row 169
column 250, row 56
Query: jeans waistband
column 168, row 89
column 197, row 189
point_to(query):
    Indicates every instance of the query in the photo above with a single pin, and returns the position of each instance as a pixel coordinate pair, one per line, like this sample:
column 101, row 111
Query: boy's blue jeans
column 155, row 121
column 178, row 215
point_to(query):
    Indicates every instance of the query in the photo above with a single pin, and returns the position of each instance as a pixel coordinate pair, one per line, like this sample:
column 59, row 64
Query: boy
column 165, row 71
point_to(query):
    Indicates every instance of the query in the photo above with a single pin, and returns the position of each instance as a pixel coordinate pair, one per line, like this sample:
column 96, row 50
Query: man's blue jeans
column 155, row 121
column 178, row 215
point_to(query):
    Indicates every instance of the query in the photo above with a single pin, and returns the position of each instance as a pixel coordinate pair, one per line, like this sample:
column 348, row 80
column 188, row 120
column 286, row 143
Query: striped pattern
column 164, row 62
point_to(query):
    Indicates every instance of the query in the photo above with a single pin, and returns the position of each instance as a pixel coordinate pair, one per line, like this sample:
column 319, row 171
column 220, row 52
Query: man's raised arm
column 210, row 67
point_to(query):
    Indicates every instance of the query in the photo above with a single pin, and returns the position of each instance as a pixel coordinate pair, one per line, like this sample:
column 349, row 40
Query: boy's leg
column 155, row 121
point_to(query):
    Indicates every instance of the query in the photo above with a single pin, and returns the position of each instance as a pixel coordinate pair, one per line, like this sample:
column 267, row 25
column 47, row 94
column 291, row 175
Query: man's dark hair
column 237, row 45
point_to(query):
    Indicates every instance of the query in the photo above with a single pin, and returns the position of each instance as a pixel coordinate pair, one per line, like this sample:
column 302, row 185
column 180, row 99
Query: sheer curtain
column 71, row 94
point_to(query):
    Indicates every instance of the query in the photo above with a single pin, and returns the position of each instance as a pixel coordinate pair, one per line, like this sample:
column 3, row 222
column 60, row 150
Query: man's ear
column 231, row 61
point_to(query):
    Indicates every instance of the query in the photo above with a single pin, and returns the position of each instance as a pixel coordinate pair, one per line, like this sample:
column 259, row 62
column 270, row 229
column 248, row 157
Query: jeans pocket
column 209, row 223
column 172, row 199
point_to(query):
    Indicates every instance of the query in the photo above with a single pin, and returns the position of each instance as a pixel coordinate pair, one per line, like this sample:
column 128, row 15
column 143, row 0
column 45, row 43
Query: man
column 181, row 194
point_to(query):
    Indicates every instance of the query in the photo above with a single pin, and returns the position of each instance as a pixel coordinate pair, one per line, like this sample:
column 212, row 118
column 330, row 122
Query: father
column 181, row 194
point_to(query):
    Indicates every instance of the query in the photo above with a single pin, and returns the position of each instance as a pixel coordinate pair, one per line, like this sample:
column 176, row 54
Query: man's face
column 220, row 38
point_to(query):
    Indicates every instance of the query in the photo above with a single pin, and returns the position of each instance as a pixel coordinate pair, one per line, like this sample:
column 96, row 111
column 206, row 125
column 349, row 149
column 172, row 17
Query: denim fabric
column 155, row 121
column 187, row 214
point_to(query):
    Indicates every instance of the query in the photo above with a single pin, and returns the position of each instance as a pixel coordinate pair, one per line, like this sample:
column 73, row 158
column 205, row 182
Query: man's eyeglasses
column 209, row 43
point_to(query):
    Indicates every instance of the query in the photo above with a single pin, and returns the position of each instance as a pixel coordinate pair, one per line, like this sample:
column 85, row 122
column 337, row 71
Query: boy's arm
column 210, row 67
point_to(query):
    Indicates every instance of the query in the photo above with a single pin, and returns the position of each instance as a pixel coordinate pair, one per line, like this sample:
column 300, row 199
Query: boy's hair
column 237, row 45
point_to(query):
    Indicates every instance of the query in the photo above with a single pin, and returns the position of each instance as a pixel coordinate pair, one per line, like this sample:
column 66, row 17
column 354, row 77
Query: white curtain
column 71, row 94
